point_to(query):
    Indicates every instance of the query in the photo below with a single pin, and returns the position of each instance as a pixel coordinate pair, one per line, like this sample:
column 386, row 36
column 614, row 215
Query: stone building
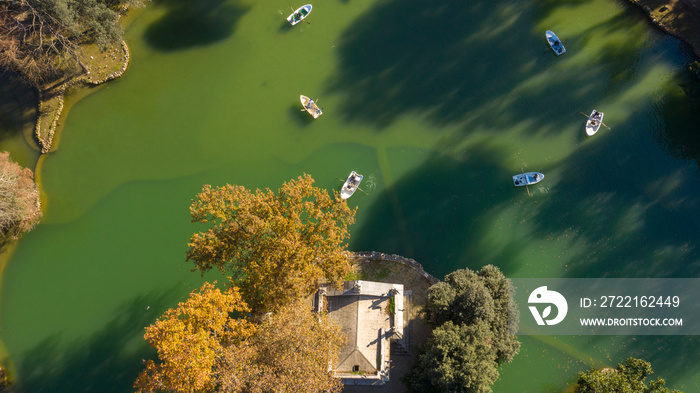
column 371, row 315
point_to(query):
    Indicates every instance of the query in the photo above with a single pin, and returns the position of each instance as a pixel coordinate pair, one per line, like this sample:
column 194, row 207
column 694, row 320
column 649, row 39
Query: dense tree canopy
column 290, row 352
column 20, row 207
column 474, row 321
column 40, row 39
column 274, row 246
column 627, row 377
column 191, row 339
column 210, row 344
column 458, row 358
column 466, row 297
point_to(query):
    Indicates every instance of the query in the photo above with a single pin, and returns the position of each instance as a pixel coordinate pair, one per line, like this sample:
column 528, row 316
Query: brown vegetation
column 211, row 344
column 20, row 207
column 35, row 44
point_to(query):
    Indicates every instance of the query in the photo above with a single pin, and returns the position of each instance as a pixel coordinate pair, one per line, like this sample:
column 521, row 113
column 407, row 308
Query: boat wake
column 370, row 183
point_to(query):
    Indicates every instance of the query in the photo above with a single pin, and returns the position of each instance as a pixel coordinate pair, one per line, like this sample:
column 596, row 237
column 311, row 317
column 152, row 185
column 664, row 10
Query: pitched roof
column 362, row 313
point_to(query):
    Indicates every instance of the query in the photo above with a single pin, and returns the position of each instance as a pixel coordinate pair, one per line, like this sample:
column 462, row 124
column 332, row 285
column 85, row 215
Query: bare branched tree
column 40, row 39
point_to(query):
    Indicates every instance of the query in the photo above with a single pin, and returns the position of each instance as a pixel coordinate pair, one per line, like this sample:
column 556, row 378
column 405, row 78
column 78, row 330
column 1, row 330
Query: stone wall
column 116, row 74
column 380, row 256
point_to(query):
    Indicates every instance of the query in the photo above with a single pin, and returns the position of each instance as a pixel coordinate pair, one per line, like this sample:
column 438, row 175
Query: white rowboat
column 311, row 106
column 351, row 185
column 299, row 15
column 594, row 122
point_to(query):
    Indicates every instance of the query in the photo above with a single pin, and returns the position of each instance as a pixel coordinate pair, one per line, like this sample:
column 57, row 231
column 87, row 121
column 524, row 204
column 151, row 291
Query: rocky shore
column 100, row 67
column 680, row 18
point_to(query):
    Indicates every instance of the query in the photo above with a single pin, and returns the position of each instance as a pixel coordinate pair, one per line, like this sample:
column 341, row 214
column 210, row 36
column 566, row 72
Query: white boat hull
column 310, row 106
column 528, row 178
column 299, row 15
column 594, row 122
column 351, row 185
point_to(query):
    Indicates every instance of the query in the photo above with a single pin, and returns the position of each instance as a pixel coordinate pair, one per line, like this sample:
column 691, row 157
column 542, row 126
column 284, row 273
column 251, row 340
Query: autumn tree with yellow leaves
column 209, row 344
column 259, row 335
column 191, row 340
column 274, row 246
column 291, row 351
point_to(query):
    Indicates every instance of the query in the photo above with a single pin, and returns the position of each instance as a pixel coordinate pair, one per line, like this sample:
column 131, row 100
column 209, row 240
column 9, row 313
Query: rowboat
column 299, row 15
column 554, row 42
column 526, row 179
column 593, row 123
column 310, row 106
column 351, row 185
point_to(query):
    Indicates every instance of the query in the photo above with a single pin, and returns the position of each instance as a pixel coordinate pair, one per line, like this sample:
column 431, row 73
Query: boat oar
column 293, row 10
column 525, row 178
column 358, row 187
column 590, row 117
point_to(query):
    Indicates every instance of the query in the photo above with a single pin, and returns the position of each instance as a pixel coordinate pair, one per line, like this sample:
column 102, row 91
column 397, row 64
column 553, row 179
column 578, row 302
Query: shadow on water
column 682, row 115
column 634, row 209
column 624, row 206
column 17, row 105
column 299, row 116
column 449, row 61
column 107, row 362
column 434, row 213
column 193, row 23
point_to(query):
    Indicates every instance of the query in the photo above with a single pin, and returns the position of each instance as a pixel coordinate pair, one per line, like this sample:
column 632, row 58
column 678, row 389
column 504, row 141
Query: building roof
column 361, row 309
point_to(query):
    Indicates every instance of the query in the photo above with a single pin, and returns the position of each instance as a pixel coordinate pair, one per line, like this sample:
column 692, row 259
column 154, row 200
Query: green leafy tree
column 474, row 320
column 466, row 297
column 627, row 377
column 274, row 246
column 20, row 206
column 458, row 358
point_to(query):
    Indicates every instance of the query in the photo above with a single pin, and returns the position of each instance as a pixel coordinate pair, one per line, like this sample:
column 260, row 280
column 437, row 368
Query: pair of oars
column 525, row 178
column 315, row 102
column 358, row 187
column 600, row 122
column 293, row 10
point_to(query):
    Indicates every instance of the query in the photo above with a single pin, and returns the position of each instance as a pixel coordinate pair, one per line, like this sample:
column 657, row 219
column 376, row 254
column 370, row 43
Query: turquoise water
column 437, row 108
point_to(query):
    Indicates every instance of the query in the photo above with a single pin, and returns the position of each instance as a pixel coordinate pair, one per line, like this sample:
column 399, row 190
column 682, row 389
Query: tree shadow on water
column 17, row 105
column 434, row 213
column 107, row 362
column 461, row 59
column 682, row 116
column 627, row 210
column 193, row 23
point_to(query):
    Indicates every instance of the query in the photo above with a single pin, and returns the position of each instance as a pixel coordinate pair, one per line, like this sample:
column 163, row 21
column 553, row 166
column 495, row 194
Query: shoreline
column 99, row 67
column 52, row 98
column 678, row 18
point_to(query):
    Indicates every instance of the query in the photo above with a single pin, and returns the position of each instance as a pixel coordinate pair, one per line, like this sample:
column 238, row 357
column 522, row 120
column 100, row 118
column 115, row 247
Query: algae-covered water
column 437, row 107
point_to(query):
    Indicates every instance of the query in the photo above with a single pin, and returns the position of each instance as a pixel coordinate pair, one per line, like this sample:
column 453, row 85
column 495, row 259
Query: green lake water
column 436, row 107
